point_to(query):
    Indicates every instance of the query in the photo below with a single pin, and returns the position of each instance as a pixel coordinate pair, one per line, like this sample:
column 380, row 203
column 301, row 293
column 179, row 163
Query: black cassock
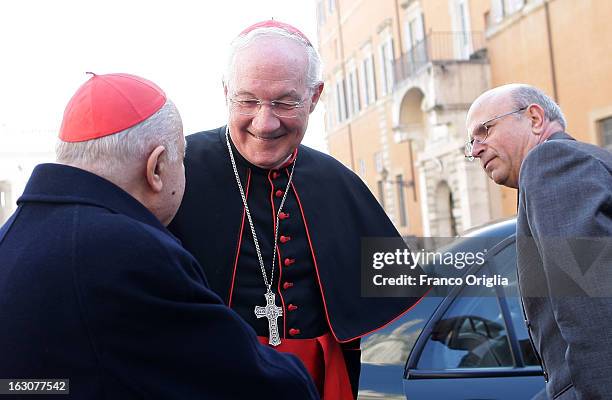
column 317, row 275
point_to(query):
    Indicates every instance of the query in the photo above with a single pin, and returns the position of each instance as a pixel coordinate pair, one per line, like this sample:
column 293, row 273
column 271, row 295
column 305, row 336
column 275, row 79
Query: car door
column 384, row 353
column 476, row 345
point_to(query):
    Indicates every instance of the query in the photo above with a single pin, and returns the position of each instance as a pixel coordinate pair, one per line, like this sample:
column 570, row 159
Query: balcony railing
column 438, row 46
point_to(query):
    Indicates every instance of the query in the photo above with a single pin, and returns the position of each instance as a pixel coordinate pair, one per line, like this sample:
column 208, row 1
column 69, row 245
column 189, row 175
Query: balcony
column 439, row 47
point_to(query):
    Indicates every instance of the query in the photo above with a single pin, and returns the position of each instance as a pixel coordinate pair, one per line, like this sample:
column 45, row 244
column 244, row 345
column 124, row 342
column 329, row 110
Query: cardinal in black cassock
column 327, row 212
column 278, row 226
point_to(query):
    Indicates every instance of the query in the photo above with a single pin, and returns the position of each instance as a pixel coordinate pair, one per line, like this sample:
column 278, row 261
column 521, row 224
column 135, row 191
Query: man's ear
column 156, row 163
column 316, row 94
column 537, row 117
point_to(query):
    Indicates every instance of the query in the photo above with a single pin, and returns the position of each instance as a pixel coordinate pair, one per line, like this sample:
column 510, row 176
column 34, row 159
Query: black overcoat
column 94, row 289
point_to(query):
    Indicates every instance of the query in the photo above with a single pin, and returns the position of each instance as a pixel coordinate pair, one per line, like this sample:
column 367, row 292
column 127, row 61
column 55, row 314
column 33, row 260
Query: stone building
column 400, row 76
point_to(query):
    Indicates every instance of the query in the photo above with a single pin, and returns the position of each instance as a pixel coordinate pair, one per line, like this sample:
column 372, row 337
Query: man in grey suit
column 564, row 231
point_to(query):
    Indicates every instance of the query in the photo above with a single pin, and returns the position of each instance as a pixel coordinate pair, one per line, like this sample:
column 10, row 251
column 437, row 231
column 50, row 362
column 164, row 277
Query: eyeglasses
column 482, row 133
column 282, row 109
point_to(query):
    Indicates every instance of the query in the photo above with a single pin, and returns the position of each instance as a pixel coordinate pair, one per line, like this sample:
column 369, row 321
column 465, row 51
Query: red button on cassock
column 284, row 239
column 287, row 285
column 275, row 175
column 283, row 215
column 292, row 307
column 294, row 331
column 289, row 261
column 279, row 193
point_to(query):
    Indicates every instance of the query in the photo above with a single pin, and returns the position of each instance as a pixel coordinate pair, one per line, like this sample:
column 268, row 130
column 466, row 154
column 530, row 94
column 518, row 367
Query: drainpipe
column 399, row 42
column 348, row 125
column 553, row 73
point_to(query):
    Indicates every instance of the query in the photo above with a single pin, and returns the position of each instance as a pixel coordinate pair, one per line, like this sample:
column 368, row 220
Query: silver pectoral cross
column 272, row 312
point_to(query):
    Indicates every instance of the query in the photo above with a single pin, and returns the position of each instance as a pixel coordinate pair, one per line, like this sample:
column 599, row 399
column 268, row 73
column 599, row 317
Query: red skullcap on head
column 107, row 104
column 276, row 24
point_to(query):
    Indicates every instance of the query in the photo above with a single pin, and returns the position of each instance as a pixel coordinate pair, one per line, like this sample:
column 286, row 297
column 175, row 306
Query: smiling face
column 508, row 141
column 270, row 68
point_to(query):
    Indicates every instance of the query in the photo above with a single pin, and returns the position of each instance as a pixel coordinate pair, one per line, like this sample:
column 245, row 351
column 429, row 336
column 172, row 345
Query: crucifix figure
column 272, row 312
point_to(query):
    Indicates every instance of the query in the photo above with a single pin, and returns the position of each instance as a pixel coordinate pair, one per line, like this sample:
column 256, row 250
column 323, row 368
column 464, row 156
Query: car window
column 504, row 263
column 392, row 344
column 470, row 334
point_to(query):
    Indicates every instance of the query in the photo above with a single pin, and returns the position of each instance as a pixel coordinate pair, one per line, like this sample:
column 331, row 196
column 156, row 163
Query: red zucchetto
column 107, row 104
column 275, row 24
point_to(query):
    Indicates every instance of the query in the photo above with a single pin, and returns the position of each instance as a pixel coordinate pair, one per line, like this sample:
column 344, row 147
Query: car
column 469, row 342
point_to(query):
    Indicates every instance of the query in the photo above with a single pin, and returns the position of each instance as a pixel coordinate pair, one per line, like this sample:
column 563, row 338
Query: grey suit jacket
column 564, row 231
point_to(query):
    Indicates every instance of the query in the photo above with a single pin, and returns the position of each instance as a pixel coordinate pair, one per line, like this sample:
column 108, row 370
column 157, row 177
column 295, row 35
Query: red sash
column 323, row 358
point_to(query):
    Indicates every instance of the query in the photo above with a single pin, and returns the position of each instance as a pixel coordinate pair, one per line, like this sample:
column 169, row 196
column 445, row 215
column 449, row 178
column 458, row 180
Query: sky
column 47, row 46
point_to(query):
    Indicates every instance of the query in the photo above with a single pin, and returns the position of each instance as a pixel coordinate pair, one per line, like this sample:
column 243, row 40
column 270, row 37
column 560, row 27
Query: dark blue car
column 470, row 343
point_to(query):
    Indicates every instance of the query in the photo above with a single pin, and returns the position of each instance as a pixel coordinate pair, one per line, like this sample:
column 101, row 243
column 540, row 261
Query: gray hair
column 525, row 95
column 135, row 143
column 313, row 74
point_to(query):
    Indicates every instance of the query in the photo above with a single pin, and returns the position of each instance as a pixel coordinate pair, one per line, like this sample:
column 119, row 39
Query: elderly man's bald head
column 495, row 96
column 519, row 95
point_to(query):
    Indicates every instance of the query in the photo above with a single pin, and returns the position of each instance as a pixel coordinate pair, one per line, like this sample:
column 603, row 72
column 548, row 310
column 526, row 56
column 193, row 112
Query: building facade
column 400, row 76
column 20, row 152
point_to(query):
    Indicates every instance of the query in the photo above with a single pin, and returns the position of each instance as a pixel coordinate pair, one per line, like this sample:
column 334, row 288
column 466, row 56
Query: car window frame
column 517, row 369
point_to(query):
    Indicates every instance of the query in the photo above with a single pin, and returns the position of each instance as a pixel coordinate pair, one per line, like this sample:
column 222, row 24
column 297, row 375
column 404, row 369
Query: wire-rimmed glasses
column 482, row 131
column 280, row 108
